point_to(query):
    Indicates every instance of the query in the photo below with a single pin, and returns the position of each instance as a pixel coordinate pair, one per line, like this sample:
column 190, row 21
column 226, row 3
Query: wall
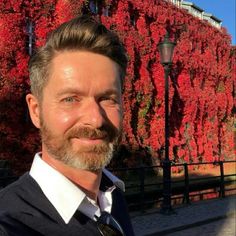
column 201, row 82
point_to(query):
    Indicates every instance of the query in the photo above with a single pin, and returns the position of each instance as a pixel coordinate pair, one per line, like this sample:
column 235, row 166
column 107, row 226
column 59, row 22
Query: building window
column 105, row 11
column 93, row 6
column 30, row 40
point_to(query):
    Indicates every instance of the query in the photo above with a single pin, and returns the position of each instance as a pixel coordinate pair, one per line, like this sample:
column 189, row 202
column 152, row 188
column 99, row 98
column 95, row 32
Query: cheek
column 59, row 122
column 115, row 118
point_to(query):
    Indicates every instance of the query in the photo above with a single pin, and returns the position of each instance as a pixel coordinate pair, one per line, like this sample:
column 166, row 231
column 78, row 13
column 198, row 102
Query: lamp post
column 166, row 49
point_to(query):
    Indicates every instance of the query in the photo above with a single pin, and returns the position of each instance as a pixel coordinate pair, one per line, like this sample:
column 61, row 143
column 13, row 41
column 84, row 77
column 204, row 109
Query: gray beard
column 84, row 161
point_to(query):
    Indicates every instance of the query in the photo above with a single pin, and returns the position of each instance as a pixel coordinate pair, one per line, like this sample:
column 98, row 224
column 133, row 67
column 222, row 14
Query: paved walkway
column 215, row 217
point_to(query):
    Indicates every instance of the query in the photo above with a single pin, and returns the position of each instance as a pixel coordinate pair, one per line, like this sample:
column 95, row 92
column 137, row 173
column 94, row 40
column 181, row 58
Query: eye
column 104, row 98
column 108, row 99
column 69, row 99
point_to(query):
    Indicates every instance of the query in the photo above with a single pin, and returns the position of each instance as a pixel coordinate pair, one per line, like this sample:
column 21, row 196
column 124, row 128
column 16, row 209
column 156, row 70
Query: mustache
column 106, row 133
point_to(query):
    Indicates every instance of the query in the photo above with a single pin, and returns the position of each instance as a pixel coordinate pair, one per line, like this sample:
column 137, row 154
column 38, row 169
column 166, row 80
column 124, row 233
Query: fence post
column 222, row 180
column 142, row 181
column 186, row 183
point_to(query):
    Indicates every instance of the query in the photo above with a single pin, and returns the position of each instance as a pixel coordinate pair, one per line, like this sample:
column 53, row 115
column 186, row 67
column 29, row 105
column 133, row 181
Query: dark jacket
column 24, row 210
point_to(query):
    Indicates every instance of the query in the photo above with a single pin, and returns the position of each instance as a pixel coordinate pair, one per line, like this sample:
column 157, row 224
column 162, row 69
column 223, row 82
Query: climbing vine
column 201, row 81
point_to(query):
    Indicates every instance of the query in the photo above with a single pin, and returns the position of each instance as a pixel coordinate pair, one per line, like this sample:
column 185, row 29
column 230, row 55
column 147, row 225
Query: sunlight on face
column 80, row 118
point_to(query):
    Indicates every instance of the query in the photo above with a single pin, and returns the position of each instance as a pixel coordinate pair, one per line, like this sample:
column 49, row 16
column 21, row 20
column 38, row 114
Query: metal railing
column 145, row 192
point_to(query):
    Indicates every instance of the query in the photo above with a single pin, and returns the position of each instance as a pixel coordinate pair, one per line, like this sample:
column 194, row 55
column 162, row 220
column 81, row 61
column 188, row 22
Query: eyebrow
column 82, row 93
column 69, row 91
column 110, row 92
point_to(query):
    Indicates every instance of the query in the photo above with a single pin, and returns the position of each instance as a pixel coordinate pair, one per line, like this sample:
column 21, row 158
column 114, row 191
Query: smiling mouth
column 90, row 141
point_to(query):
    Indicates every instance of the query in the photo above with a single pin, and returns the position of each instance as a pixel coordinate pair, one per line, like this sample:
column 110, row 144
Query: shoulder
column 13, row 187
column 13, row 194
column 10, row 203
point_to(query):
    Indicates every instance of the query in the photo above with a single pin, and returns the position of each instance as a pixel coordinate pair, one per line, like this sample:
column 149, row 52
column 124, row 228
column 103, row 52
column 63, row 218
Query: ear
column 34, row 109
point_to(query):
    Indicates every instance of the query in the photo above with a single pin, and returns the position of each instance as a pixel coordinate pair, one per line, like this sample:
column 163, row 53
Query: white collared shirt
column 65, row 196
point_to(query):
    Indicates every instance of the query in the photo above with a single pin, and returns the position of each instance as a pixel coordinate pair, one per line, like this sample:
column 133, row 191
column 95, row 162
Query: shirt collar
column 108, row 176
column 64, row 195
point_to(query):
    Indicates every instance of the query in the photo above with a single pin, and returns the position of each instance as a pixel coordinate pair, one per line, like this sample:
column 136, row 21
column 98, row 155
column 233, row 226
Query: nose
column 94, row 115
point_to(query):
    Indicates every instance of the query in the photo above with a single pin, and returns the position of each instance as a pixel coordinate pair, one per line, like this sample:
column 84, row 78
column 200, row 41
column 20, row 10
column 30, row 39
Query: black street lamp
column 166, row 49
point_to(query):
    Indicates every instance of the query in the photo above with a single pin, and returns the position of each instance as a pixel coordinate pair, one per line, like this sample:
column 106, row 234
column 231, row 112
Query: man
column 76, row 82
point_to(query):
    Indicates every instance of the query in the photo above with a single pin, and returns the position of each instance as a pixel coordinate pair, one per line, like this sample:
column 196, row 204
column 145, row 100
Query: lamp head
column 166, row 49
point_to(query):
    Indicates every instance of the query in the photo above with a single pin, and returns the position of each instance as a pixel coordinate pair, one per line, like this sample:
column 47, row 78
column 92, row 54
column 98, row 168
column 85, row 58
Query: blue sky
column 223, row 10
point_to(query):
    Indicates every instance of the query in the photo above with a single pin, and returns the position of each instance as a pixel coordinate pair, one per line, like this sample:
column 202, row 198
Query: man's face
column 80, row 113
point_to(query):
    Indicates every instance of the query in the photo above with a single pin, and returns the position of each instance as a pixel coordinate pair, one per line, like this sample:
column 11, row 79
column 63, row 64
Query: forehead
column 85, row 68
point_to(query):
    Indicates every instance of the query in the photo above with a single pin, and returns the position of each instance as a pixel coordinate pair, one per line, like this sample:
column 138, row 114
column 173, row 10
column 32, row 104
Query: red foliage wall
column 201, row 82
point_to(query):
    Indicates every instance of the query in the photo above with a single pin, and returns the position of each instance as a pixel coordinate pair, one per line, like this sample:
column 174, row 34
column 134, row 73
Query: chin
column 88, row 161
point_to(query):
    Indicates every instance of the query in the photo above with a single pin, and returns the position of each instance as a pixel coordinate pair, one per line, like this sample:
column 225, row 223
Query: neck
column 87, row 181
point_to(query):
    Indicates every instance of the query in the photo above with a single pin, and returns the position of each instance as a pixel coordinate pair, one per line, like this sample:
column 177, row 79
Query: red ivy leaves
column 201, row 83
